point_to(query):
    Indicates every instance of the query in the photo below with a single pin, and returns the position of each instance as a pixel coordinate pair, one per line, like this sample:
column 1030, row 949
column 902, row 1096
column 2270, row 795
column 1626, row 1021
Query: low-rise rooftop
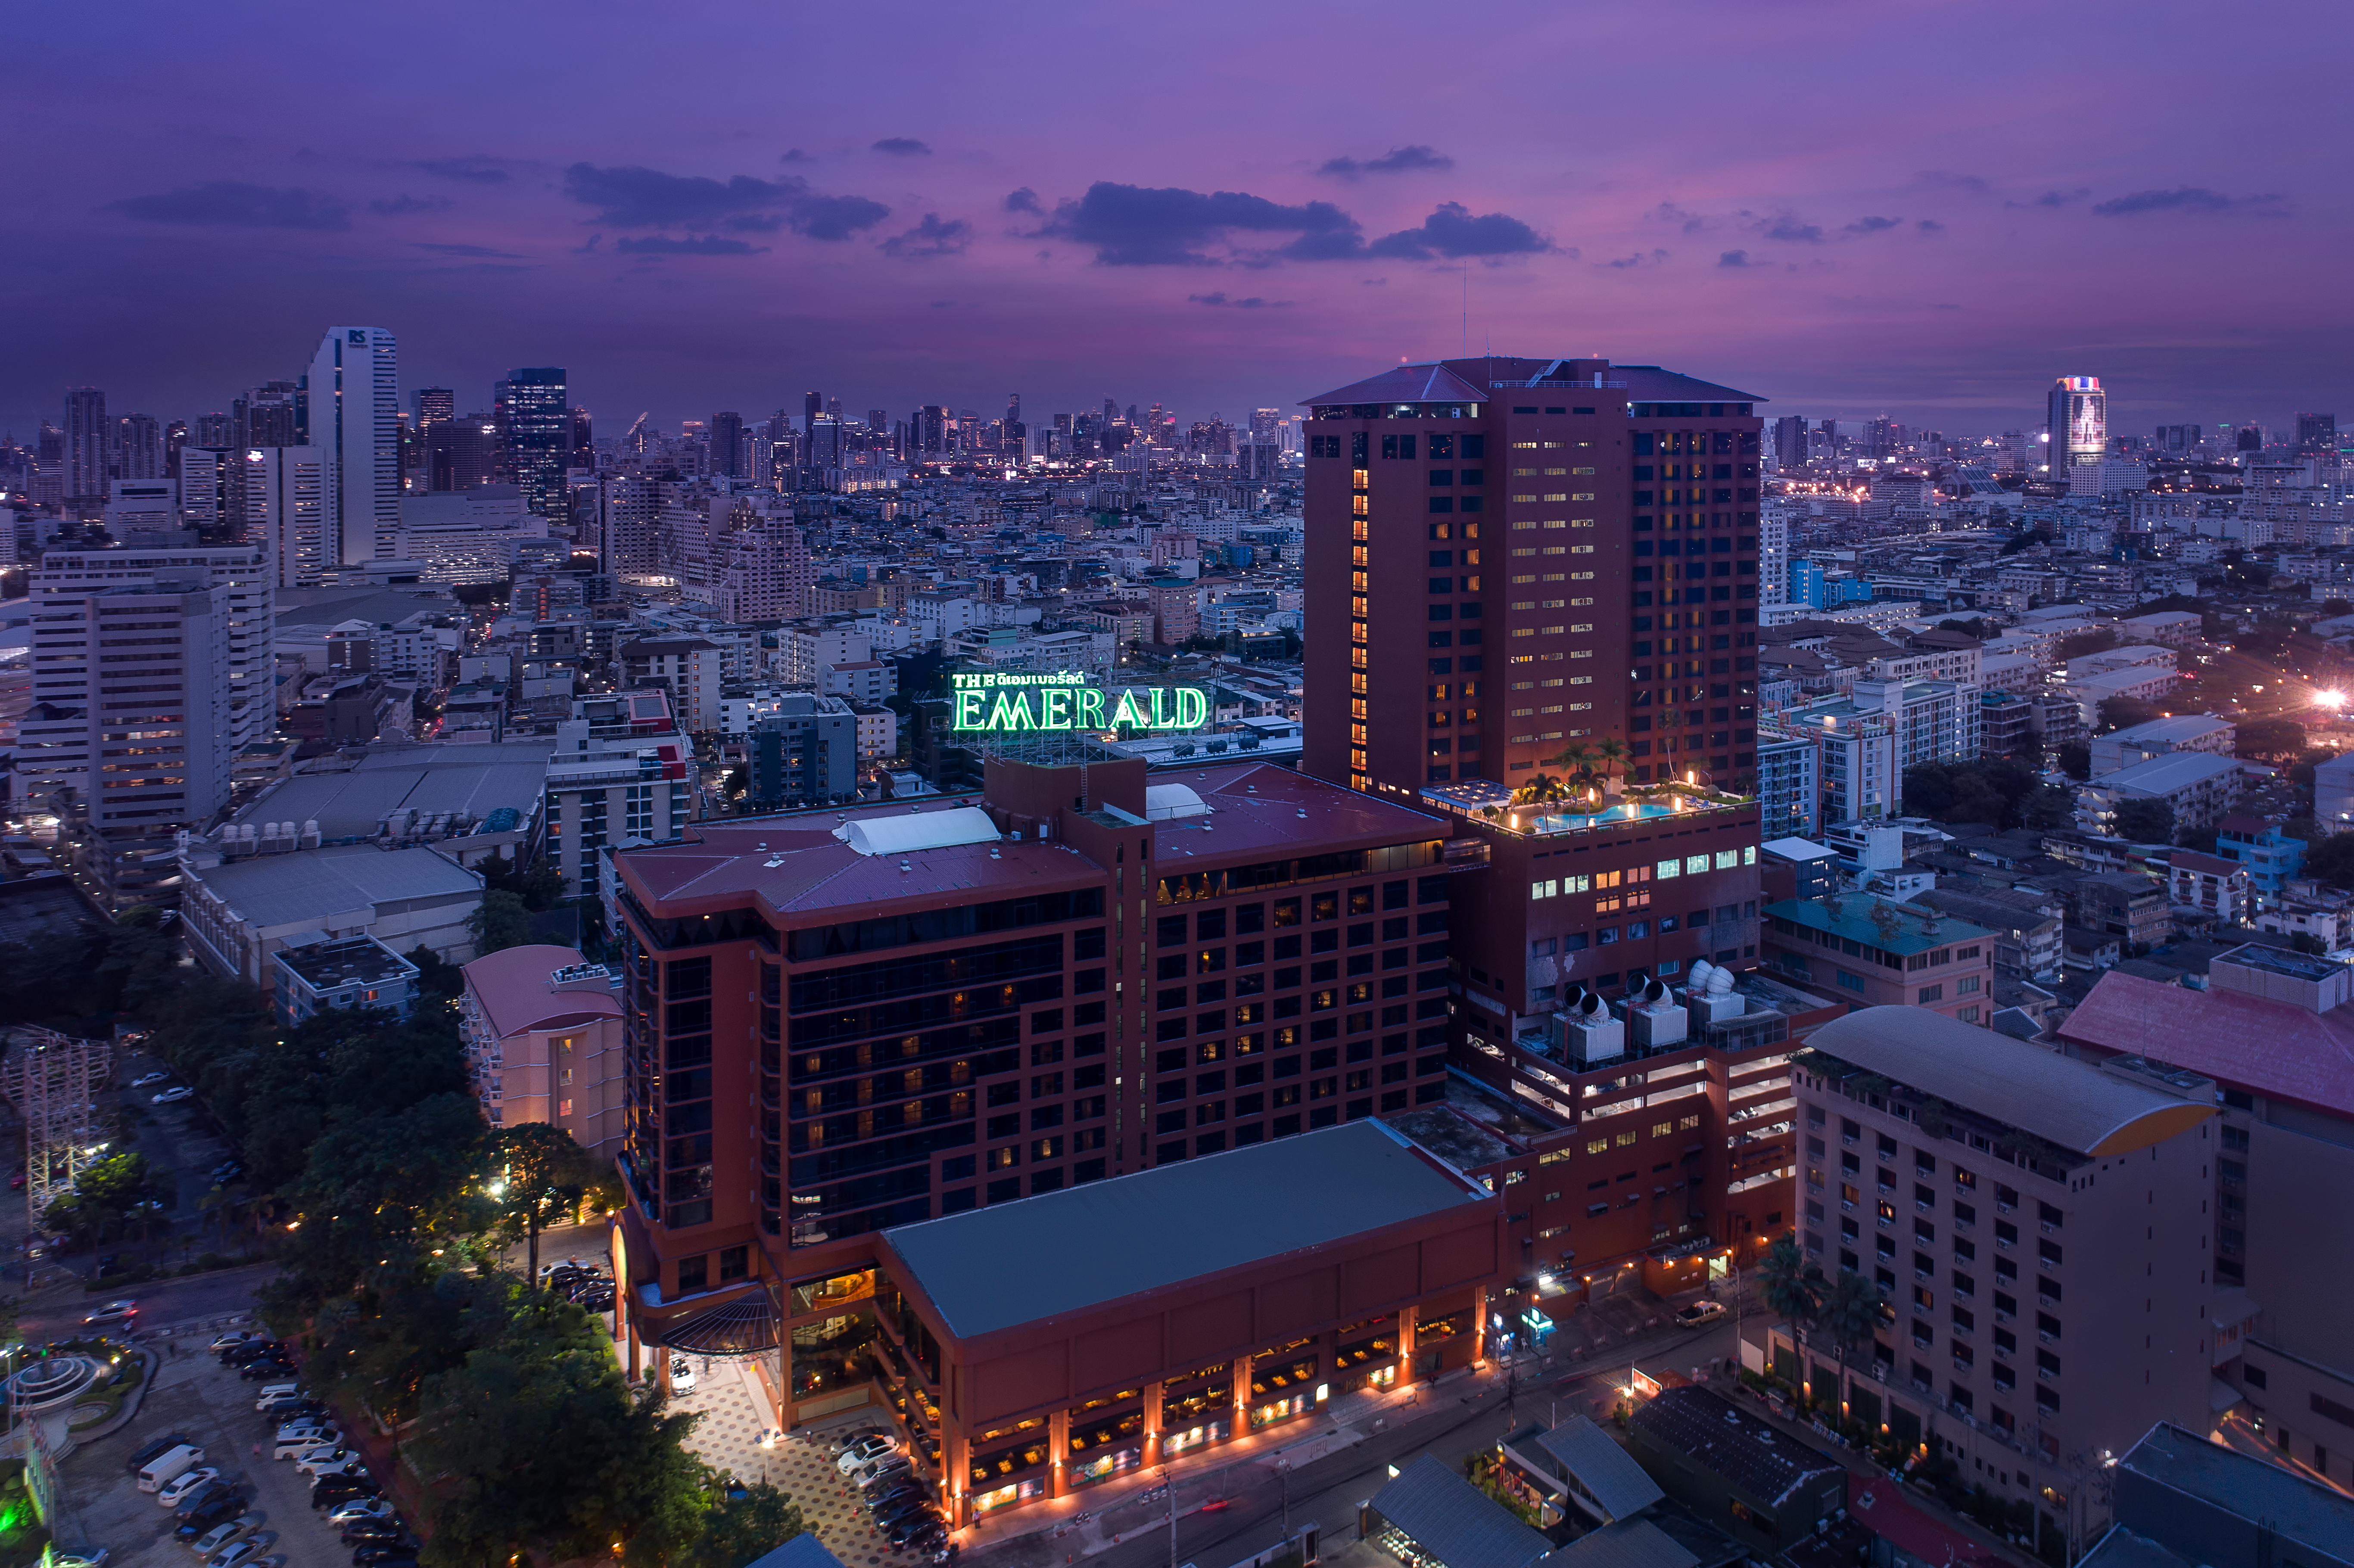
column 347, row 961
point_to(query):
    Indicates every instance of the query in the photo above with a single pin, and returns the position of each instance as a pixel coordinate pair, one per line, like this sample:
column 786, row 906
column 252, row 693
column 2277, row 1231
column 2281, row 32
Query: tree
column 501, row 923
column 545, row 1174
column 1793, row 1283
column 2331, row 859
column 2124, row 713
column 540, row 885
column 1610, row 755
column 1578, row 760
column 2093, row 640
column 2075, row 760
column 539, row 1446
column 1849, row 1311
column 1539, row 788
column 745, row 1521
column 2144, row 822
column 2276, row 739
column 1976, row 626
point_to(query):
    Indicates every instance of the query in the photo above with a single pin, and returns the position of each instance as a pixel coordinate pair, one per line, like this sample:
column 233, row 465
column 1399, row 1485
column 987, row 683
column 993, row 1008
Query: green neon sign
column 995, row 702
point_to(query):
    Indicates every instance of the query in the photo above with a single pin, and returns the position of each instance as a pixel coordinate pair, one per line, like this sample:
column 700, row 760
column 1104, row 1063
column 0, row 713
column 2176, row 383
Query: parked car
column 371, row 1531
column 234, row 1338
column 147, row 1453
column 899, row 1490
column 867, row 1449
column 234, row 1555
column 180, row 1490
column 145, row 1079
column 175, row 1096
column 387, row 1554
column 218, row 1507
column 267, row 1369
column 290, row 1406
column 681, row 1375
column 329, row 1490
column 336, row 1461
column 236, row 1355
column 905, row 1529
column 905, row 1508
column 1700, row 1312
column 122, row 1312
column 310, row 1431
column 872, row 1472
column 359, row 1509
column 217, row 1499
column 221, row 1534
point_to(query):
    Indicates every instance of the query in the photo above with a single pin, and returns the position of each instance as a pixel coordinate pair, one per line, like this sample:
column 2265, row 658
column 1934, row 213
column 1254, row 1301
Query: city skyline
column 2008, row 219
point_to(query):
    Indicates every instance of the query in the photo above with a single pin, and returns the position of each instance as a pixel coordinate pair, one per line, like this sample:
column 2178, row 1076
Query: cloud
column 1946, row 178
column 397, row 207
column 931, row 238
column 794, row 156
column 1024, row 200
column 2194, row 198
column 1413, row 159
column 627, row 196
column 1734, row 258
column 477, row 169
column 1145, row 226
column 1640, row 258
column 698, row 245
column 1250, row 303
column 478, row 253
column 2058, row 198
column 834, row 217
column 1452, row 231
column 233, row 204
column 1930, row 225
column 1871, row 224
column 1668, row 212
column 903, row 147
column 1786, row 227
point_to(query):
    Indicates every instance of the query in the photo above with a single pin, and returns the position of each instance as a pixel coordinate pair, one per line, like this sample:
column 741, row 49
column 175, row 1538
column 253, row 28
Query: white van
column 165, row 1469
column 273, row 1392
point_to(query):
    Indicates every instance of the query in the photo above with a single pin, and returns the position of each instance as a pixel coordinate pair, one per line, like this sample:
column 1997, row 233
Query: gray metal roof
column 803, row 1551
column 1160, row 1227
column 1601, row 1467
column 1628, row 1543
column 2293, row 1509
column 305, row 885
column 430, row 780
column 2121, row 1547
column 2058, row 1098
column 1454, row 1521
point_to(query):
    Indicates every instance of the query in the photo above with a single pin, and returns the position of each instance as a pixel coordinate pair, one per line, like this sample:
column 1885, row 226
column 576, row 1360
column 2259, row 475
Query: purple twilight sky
column 1927, row 209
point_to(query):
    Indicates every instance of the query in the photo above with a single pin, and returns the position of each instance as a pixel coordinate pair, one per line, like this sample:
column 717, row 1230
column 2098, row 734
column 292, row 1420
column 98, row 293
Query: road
column 57, row 1314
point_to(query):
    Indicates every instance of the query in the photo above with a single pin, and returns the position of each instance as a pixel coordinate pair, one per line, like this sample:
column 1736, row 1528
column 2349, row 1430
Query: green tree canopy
column 503, row 922
column 2146, row 821
column 741, row 1528
column 543, row 1176
column 2124, row 713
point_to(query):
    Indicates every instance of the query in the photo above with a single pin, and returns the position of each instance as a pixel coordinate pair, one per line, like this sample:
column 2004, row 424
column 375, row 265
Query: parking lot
column 194, row 1393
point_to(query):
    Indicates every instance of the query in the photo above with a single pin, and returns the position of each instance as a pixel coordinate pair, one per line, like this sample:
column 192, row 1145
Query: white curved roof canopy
column 1163, row 802
column 924, row 830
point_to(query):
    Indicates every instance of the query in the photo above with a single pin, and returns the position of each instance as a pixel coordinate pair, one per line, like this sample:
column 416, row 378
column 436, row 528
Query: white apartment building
column 806, row 648
column 625, row 790
column 243, row 570
column 692, row 669
column 282, row 497
column 861, row 680
column 878, row 732
column 131, row 703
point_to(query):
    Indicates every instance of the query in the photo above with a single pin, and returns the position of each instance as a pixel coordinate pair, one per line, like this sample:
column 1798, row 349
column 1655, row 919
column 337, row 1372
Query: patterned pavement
column 800, row 1465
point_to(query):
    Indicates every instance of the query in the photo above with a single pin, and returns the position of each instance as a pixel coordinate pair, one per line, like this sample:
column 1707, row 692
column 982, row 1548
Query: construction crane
column 637, row 432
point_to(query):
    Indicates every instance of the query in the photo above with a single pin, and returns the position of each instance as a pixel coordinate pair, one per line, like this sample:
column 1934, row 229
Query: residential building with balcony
column 2267, row 1045
column 2025, row 927
column 2272, row 858
column 541, row 1029
column 2121, row 748
column 2027, row 1218
column 2200, row 787
column 2211, row 886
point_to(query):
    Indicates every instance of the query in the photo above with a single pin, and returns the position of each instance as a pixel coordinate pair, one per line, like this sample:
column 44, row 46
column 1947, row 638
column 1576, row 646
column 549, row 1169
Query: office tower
column 1561, row 559
column 824, row 449
column 1014, row 407
column 2178, row 441
column 350, row 401
column 1110, row 411
column 727, row 437
column 2077, row 412
column 1264, row 423
column 434, row 405
column 534, row 433
column 2249, row 439
column 583, row 455
column 813, row 405
column 1827, row 438
column 216, row 430
column 426, row 439
column 279, row 499
column 1790, row 441
column 269, row 415
column 463, row 453
column 878, row 420
column 138, row 737
column 833, row 407
column 138, row 449
column 175, row 435
column 90, row 447
column 2316, row 432
column 932, row 431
